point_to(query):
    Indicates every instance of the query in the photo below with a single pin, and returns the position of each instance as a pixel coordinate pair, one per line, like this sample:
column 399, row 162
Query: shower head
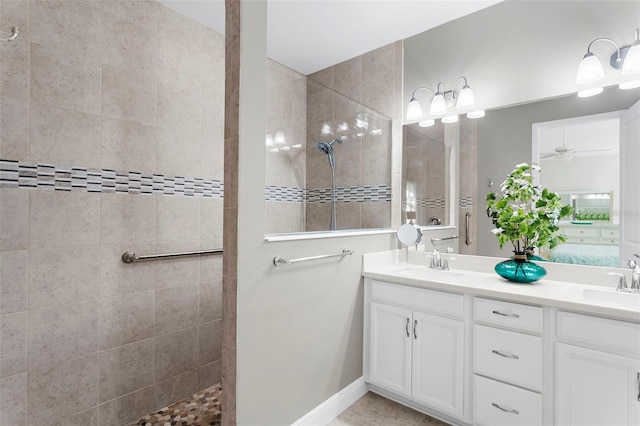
column 327, row 148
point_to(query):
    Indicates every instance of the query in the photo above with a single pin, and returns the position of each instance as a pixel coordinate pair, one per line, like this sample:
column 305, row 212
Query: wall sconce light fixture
column 626, row 59
column 442, row 100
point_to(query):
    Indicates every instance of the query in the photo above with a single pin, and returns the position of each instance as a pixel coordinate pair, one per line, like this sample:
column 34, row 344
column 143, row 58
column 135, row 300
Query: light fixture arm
column 608, row 40
column 413, row 95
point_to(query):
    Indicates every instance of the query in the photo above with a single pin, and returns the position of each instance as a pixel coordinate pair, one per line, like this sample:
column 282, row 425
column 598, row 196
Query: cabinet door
column 438, row 362
column 390, row 356
column 596, row 388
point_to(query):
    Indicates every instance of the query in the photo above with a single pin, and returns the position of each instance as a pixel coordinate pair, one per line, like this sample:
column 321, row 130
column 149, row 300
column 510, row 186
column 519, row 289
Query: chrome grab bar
column 467, row 218
column 434, row 239
column 131, row 257
column 14, row 34
column 277, row 261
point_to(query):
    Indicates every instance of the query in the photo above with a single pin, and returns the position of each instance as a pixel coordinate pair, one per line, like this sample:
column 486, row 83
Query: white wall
column 596, row 173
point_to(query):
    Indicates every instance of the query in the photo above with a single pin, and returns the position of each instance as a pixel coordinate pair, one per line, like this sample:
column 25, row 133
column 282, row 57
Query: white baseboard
column 334, row 406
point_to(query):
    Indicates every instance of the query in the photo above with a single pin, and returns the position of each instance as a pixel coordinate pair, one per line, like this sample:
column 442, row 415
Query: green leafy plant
column 525, row 214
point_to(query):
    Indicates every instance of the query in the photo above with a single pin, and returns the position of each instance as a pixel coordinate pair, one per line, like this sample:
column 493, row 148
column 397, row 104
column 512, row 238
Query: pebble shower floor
column 200, row 409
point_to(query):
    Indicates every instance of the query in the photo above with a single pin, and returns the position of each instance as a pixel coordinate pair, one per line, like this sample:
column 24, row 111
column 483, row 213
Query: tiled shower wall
column 373, row 80
column 286, row 168
column 112, row 124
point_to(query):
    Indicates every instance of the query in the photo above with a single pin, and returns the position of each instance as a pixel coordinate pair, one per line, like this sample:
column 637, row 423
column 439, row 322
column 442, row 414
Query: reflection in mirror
column 576, row 144
column 328, row 155
column 425, row 174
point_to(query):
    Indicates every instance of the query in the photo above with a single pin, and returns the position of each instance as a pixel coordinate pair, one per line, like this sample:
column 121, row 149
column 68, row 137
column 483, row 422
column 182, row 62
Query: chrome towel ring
column 14, row 35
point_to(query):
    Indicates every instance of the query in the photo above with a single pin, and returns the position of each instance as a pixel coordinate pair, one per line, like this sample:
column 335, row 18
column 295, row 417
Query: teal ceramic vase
column 519, row 269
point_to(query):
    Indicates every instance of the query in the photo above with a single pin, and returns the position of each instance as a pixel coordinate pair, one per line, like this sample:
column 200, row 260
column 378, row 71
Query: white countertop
column 589, row 299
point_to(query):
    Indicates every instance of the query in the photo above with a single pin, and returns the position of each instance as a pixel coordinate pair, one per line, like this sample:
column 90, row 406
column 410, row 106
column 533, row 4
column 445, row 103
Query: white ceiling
column 594, row 138
column 310, row 35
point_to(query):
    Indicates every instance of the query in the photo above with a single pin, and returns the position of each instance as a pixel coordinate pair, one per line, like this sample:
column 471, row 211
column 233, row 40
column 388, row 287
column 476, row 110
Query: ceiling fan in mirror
column 565, row 154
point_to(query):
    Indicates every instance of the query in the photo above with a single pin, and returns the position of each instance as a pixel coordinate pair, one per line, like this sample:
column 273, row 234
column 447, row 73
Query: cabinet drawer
column 498, row 404
column 521, row 317
column 506, row 355
column 579, row 239
column 582, row 232
column 600, row 332
column 610, row 233
column 439, row 302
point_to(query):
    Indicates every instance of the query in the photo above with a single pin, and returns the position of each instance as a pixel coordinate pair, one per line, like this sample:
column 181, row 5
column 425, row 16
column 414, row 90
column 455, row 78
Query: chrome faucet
column 635, row 276
column 438, row 262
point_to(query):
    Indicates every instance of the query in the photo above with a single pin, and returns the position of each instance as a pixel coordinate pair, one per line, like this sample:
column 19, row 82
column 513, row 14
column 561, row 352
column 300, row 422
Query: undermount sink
column 425, row 271
column 631, row 300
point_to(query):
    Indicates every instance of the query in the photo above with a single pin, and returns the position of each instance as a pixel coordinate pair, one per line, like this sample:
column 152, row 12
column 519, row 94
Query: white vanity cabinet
column 507, row 363
column 416, row 345
column 597, row 371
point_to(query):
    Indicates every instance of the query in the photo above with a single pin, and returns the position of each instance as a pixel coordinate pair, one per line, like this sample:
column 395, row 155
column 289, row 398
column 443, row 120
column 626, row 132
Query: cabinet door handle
column 506, row 315
column 506, row 410
column 415, row 329
column 505, row 355
column 638, row 386
column 406, row 327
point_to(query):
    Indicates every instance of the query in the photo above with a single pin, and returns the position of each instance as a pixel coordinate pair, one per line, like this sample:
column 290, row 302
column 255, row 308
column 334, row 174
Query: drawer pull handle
column 506, row 315
column 406, row 327
column 638, row 382
column 415, row 330
column 506, row 410
column 505, row 355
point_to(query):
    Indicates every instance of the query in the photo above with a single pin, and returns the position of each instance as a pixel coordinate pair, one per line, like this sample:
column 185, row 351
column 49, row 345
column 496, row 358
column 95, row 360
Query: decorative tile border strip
column 351, row 194
column 19, row 174
column 285, row 194
column 431, row 203
column 465, row 201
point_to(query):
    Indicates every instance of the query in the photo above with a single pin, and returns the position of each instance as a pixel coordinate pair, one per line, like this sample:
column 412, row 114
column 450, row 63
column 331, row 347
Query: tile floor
column 373, row 409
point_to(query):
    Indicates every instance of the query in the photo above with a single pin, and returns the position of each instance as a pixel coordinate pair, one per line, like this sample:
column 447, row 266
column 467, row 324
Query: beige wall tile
column 119, row 278
column 14, row 63
column 13, row 400
column 210, row 341
column 179, row 108
column 376, row 215
column 59, row 219
column 211, row 215
column 128, row 146
column 127, row 45
column 126, row 319
column 65, row 137
column 14, row 129
column 177, row 218
column 60, row 277
column 85, row 418
column 13, row 348
column 128, row 95
column 348, row 78
column 318, row 172
column 143, row 13
column 65, row 25
column 175, row 388
column 14, row 219
column 212, row 143
column 125, row 409
column 127, row 218
column 348, row 168
column 65, row 81
column 178, row 152
column 209, row 374
column 229, row 382
column 376, row 166
column 284, row 217
column 125, row 369
column 14, row 268
column 180, row 271
column 348, row 216
column 229, row 311
column 176, row 353
column 325, row 77
column 62, row 390
column 210, row 300
column 15, row 13
column 318, row 216
column 62, row 333
column 176, row 308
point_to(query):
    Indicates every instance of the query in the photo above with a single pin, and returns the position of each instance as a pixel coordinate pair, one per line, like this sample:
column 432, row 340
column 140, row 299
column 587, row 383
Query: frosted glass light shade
column 426, row 123
column 450, row 119
column 631, row 64
column 438, row 105
column 476, row 114
column 589, row 70
column 414, row 110
column 280, row 139
column 466, row 100
column 269, row 139
column 629, row 84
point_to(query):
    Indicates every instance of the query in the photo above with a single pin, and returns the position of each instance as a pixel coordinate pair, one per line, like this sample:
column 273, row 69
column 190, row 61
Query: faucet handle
column 622, row 281
column 632, row 263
